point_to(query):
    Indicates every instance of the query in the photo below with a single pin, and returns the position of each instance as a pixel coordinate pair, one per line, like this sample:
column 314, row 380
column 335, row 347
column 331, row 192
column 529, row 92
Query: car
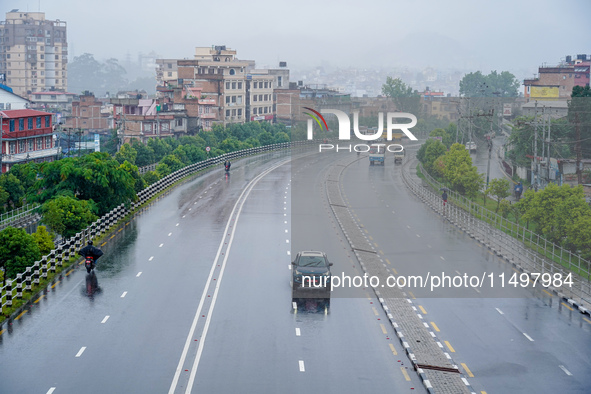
column 311, row 276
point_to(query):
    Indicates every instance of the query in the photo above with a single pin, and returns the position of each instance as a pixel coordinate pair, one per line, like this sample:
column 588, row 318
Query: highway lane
column 255, row 336
column 149, row 277
column 531, row 345
column 124, row 329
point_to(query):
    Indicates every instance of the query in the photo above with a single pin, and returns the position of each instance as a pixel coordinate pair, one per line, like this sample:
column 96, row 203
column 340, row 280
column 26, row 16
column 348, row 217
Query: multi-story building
column 557, row 82
column 27, row 136
column 145, row 118
column 59, row 103
column 88, row 114
column 33, row 52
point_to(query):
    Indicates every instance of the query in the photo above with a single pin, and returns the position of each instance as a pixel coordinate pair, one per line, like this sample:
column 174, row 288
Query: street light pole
column 490, row 145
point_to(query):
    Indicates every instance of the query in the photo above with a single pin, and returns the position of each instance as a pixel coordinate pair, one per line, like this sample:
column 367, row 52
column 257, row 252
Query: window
column 21, row 124
column 239, row 111
column 260, row 97
column 233, row 85
column 227, row 113
column 227, row 99
column 233, row 99
column 228, row 85
column 239, row 85
column 266, row 97
column 254, row 111
column 169, row 65
column 266, row 85
column 255, row 85
column 179, row 122
column 48, row 142
column 47, row 121
column 279, row 81
column 39, row 143
column 254, row 98
column 21, row 146
column 11, row 125
column 30, row 123
column 234, row 112
column 232, row 71
column 30, row 143
column 38, row 123
column 266, row 109
column 148, row 127
column 170, row 74
column 12, row 147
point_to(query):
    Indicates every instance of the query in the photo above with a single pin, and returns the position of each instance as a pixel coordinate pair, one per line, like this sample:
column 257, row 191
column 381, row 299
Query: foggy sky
column 513, row 35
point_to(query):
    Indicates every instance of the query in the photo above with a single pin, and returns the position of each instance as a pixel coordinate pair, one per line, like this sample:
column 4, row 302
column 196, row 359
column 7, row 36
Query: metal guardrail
column 522, row 247
column 149, row 167
column 18, row 215
column 24, row 281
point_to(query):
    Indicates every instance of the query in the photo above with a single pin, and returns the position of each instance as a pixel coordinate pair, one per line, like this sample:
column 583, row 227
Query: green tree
column 15, row 189
column 460, row 173
column 151, row 177
column 18, row 250
column 500, row 188
column 432, row 153
column 172, row 161
column 44, row 240
column 281, row 137
column 265, row 138
column 162, row 170
column 95, row 176
column 145, row 154
column 405, row 98
column 446, row 138
column 126, row 153
column 139, row 182
column 66, row 215
column 492, row 85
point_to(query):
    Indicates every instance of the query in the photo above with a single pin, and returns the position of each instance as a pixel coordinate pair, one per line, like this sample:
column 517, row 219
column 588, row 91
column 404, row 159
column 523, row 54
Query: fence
column 49, row 264
column 25, row 215
column 524, row 248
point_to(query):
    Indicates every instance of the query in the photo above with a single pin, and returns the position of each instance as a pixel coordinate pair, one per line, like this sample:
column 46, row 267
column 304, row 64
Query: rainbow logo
column 316, row 118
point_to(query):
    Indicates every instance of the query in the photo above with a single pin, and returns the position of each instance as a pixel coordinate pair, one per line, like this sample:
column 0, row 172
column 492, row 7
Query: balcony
column 207, row 101
column 210, row 115
column 28, row 156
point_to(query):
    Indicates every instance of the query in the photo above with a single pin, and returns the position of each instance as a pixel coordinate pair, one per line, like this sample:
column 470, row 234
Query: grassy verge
column 507, row 227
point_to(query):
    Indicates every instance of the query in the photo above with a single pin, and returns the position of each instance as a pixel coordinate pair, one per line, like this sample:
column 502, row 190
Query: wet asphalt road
column 510, row 340
column 126, row 328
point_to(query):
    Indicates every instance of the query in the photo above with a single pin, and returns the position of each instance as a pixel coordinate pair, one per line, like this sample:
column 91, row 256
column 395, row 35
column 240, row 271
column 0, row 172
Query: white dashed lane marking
column 82, row 349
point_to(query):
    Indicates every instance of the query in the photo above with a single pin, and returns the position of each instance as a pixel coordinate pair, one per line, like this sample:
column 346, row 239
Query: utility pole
column 578, row 148
column 535, row 169
column 490, row 146
column 548, row 161
column 1, row 142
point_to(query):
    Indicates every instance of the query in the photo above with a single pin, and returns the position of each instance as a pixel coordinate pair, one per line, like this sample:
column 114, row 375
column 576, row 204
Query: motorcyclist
column 518, row 189
column 90, row 250
column 227, row 164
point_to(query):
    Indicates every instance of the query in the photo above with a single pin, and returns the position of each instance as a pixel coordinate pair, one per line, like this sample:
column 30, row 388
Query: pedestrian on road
column 444, row 197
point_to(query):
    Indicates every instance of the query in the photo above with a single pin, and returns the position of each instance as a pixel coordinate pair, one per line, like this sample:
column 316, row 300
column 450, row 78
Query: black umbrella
column 445, row 189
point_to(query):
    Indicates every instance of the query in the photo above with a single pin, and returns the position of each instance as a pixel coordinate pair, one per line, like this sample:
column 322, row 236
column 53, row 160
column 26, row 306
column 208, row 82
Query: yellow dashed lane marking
column 547, row 292
column 103, row 244
column 383, row 329
column 21, row 315
column 2, row 332
column 375, row 311
column 370, row 237
column 55, row 284
column 567, row 307
column 587, row 320
column 393, row 349
column 451, row 349
column 422, row 310
column 405, row 374
column 39, row 299
column 412, row 295
column 470, row 374
column 388, row 261
column 435, row 326
column 395, row 272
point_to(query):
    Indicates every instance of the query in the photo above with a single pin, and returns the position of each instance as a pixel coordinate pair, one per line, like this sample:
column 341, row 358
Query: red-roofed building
column 26, row 136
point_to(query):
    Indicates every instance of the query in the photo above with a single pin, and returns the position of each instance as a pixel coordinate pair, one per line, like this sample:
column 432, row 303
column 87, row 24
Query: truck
column 377, row 154
column 398, row 156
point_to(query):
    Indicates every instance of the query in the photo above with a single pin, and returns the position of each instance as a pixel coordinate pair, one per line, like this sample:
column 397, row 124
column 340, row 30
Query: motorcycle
column 89, row 263
column 227, row 168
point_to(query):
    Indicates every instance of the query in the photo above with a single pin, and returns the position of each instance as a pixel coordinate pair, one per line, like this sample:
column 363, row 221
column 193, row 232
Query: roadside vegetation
column 75, row 191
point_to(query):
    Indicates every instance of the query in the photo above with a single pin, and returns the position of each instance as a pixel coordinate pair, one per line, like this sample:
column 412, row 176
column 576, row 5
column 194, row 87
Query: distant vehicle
column 398, row 157
column 376, row 154
column 311, row 279
column 471, row 146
